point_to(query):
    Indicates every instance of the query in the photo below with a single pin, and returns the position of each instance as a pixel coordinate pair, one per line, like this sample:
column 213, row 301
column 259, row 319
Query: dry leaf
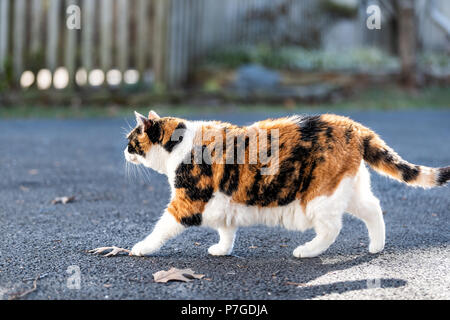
column 63, row 200
column 175, row 274
column 113, row 251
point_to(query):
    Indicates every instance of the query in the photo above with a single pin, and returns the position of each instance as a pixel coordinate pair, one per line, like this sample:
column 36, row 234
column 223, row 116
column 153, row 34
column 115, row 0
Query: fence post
column 19, row 38
column 160, row 40
column 36, row 19
column 407, row 42
column 142, row 36
column 122, row 35
column 53, row 34
column 88, row 12
column 105, row 34
column 70, row 48
column 4, row 24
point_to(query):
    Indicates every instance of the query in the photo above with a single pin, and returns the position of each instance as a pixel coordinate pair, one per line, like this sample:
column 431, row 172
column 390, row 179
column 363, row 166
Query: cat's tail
column 385, row 160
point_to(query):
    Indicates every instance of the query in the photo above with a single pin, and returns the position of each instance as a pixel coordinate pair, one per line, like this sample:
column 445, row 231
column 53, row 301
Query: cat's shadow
column 310, row 269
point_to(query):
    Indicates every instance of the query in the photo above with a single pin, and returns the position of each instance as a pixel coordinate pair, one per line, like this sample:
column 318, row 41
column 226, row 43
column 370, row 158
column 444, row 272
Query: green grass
column 391, row 98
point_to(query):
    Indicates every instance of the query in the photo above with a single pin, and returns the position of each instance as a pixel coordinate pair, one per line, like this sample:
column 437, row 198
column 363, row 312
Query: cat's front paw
column 219, row 250
column 137, row 249
column 304, row 252
column 143, row 248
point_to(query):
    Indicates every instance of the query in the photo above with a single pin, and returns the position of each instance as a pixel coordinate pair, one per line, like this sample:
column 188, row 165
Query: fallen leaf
column 197, row 243
column 174, row 274
column 113, row 251
column 252, row 247
column 63, row 200
column 19, row 295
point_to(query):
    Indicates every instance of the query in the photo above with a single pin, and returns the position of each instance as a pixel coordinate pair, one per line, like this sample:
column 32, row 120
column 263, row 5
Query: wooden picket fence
column 160, row 38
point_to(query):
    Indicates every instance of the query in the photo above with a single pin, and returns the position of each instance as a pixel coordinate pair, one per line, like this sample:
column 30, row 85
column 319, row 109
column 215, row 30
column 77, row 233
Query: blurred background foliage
column 210, row 55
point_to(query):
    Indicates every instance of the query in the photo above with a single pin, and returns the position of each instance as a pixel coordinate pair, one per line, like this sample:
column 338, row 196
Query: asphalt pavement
column 44, row 159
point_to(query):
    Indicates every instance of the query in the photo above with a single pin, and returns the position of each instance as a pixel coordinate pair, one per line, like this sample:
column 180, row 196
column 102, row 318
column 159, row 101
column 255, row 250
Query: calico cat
column 219, row 177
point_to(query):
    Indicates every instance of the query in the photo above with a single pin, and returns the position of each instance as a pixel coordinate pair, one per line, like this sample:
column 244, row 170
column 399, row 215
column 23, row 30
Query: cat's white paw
column 143, row 248
column 304, row 252
column 219, row 250
column 137, row 249
column 376, row 247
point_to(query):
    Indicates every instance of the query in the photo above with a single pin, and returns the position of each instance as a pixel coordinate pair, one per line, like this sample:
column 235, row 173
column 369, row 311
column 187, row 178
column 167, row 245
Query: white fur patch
column 221, row 211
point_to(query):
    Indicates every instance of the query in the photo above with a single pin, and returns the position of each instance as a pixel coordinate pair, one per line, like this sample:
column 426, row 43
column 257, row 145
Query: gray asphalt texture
column 44, row 159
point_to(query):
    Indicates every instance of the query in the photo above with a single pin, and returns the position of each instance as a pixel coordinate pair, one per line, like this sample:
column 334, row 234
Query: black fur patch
column 185, row 179
column 169, row 145
column 409, row 172
column 329, row 134
column 193, row 220
column 283, row 188
column 154, row 131
column 310, row 128
column 443, row 176
column 136, row 149
column 371, row 155
column 230, row 177
column 374, row 155
column 348, row 135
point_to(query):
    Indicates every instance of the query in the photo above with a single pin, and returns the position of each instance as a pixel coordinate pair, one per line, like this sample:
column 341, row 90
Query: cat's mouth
column 130, row 157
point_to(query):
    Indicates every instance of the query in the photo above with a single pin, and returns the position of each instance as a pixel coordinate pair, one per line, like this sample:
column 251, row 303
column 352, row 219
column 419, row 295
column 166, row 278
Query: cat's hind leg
column 327, row 228
column 325, row 213
column 226, row 242
column 365, row 206
column 166, row 228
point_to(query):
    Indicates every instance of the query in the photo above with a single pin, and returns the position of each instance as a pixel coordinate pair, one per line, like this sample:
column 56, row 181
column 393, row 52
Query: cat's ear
column 153, row 115
column 140, row 119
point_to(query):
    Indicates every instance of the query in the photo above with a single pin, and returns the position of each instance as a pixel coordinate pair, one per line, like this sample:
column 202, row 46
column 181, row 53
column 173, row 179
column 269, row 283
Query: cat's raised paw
column 218, row 250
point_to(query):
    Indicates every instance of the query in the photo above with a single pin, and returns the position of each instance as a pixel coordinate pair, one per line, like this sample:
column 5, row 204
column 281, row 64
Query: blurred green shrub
column 297, row 58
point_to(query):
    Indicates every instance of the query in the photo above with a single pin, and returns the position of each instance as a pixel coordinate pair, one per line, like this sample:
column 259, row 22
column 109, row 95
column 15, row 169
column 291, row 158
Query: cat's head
column 152, row 140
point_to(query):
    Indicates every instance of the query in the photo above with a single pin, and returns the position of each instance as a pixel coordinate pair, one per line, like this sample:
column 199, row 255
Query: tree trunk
column 407, row 42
